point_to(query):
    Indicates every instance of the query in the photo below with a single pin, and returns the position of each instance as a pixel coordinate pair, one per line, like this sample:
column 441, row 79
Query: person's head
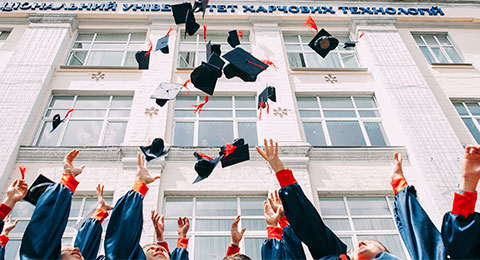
column 71, row 253
column 237, row 256
column 368, row 249
column 155, row 252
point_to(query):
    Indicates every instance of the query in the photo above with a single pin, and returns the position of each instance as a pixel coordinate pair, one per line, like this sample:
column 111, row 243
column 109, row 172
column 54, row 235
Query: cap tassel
column 68, row 113
column 149, row 48
column 262, row 105
column 240, row 34
column 229, row 149
column 270, row 63
column 204, row 156
column 198, row 108
column 169, row 30
column 22, row 171
column 361, row 35
column 185, row 85
column 205, row 33
column 268, row 108
column 258, row 65
column 311, row 24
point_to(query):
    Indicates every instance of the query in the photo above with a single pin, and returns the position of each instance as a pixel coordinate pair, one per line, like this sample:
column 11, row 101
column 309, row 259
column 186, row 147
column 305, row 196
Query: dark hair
column 237, row 257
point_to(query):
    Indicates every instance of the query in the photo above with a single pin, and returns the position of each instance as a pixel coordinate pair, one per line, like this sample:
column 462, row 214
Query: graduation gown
column 180, row 252
column 421, row 237
column 42, row 238
column 90, row 233
column 4, row 210
column 282, row 244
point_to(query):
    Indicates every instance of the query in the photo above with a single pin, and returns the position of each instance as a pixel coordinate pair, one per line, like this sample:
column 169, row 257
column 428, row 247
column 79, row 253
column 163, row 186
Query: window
column 437, row 48
column 3, row 37
column 106, row 49
column 341, row 121
column 96, row 120
column 470, row 114
column 81, row 206
column 210, row 223
column 223, row 119
column 300, row 55
column 192, row 49
column 355, row 218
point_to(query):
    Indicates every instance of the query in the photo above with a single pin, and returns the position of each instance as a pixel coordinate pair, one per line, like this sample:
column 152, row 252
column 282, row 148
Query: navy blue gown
column 285, row 246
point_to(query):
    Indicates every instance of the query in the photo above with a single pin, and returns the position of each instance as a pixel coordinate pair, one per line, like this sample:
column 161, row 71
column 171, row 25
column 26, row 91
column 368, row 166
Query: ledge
column 329, row 70
column 372, row 153
column 184, row 69
column 67, row 68
column 452, row 66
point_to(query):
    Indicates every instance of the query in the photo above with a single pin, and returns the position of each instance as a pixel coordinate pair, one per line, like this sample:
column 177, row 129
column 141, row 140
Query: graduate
column 160, row 249
column 233, row 251
column 307, row 223
column 43, row 236
column 421, row 237
column 8, row 225
column 282, row 243
column 461, row 226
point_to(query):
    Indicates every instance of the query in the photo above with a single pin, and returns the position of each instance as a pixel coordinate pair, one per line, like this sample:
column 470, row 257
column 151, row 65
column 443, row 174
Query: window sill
column 65, row 68
column 184, row 69
column 327, row 70
column 452, row 66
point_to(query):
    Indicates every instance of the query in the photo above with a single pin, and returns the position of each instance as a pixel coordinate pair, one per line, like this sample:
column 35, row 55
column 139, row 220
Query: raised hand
column 397, row 166
column 68, row 164
column 471, row 168
column 142, row 171
column 9, row 225
column 183, row 226
column 16, row 192
column 275, row 202
column 271, row 155
column 101, row 201
column 235, row 234
column 272, row 217
column 158, row 224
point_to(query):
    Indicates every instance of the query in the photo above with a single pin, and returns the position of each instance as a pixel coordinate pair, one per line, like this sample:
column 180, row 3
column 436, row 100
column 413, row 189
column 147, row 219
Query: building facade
column 411, row 85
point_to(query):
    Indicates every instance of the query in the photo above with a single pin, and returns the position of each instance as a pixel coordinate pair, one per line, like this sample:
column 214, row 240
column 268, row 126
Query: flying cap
column 205, row 76
column 162, row 44
column 156, row 150
column 200, row 6
column 233, row 39
column 191, row 26
column 37, row 188
column 56, row 120
column 267, row 93
column 323, row 43
column 166, row 91
column 349, row 44
column 205, row 165
column 234, row 153
column 243, row 65
column 180, row 12
column 213, row 48
column 143, row 59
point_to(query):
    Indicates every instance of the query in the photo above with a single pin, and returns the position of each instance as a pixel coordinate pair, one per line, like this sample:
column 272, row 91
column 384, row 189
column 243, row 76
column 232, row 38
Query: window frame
column 440, row 45
column 2, row 41
column 469, row 115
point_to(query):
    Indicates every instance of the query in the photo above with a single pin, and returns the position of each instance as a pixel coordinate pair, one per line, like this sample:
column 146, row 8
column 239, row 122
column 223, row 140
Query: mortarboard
column 165, row 92
column 267, row 93
column 200, row 6
column 143, row 59
column 243, row 65
column 213, row 48
column 233, row 39
column 234, row 153
column 349, row 44
column 162, row 44
column 156, row 150
column 180, row 12
column 205, row 76
column 38, row 187
column 323, row 43
column 205, row 165
column 191, row 26
column 56, row 120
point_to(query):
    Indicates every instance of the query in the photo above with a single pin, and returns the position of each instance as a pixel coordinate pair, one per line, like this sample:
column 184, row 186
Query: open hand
column 272, row 217
column 16, row 192
column 158, row 224
column 471, row 168
column 275, row 202
column 68, row 164
column 142, row 171
column 101, row 201
column 183, row 226
column 397, row 166
column 271, row 155
column 9, row 225
column 235, row 234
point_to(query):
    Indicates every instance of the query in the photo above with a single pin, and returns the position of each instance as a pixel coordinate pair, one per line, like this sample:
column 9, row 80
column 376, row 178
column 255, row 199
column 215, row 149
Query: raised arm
column 43, row 236
column 236, row 236
column 180, row 252
column 272, row 248
column 8, row 226
column 302, row 215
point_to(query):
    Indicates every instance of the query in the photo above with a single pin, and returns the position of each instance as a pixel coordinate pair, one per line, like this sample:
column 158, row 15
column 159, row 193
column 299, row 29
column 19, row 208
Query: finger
column 70, row 155
column 10, row 218
column 271, row 146
column 265, row 143
column 400, row 158
column 142, row 158
column 15, row 182
column 179, row 221
column 243, row 231
column 270, row 200
column 162, row 219
column 82, row 167
column 15, row 224
column 277, row 197
column 276, row 149
column 139, row 160
column 187, row 221
column 261, row 152
column 156, row 177
column 152, row 213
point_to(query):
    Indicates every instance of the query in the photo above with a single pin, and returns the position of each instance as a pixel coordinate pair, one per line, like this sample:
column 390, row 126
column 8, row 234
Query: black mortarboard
column 156, row 150
column 243, row 65
column 191, row 26
column 162, row 44
column 165, row 92
column 205, row 76
column 213, row 48
column 143, row 59
column 349, row 44
column 180, row 12
column 234, row 153
column 323, row 43
column 233, row 39
column 205, row 165
column 56, row 122
column 268, row 93
column 200, row 6
column 37, row 188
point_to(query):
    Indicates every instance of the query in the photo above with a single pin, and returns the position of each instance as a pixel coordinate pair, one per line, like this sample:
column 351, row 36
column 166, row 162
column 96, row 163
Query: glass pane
column 185, row 102
column 115, row 133
column 112, row 37
column 332, row 207
column 219, row 102
column 67, row 241
column 336, row 102
column 249, row 132
column 211, row 247
column 428, row 55
column 443, row 40
column 21, row 226
column 70, row 228
column 22, row 209
column 310, row 113
column 120, row 101
column 105, row 45
column 418, row 39
column 183, row 134
column 61, row 102
column 253, row 247
column 171, row 226
column 91, row 102
column 130, row 59
column 453, row 54
column 347, row 241
column 84, row 37
column 331, row 61
column 88, row 113
column 105, row 58
column 185, row 113
column 290, row 38
column 82, row 45
column 12, row 248
column 473, row 129
column 90, row 204
column 135, row 46
column 77, row 58
column 439, row 54
column 47, row 138
column 349, row 60
column 314, row 133
column 293, row 49
column 474, row 108
column 137, row 36
column 213, row 225
column 337, row 224
column 246, row 113
column 119, row 113
column 365, row 102
column 368, row 206
column 369, row 113
column 430, row 40
column 460, row 109
column 313, row 60
column 307, row 102
column 216, row 113
column 245, row 102
column 339, row 113
column 89, row 135
column 375, row 133
column 392, row 242
column 251, row 206
column 186, row 59
column 216, row 207
column 214, row 133
column 176, row 207
column 345, row 133
column 373, row 224
column 254, row 224
column 296, row 60
column 75, row 207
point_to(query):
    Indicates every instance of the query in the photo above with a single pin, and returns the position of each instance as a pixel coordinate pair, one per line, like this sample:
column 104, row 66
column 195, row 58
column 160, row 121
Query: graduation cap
column 205, row 165
column 56, row 120
column 156, row 150
column 37, row 188
column 349, row 44
column 243, row 65
column 234, row 153
column 143, row 59
column 191, row 26
column 165, row 92
column 205, row 76
column 200, row 6
column 162, row 44
column 213, row 48
column 233, row 39
column 267, row 93
column 323, row 43
column 180, row 12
